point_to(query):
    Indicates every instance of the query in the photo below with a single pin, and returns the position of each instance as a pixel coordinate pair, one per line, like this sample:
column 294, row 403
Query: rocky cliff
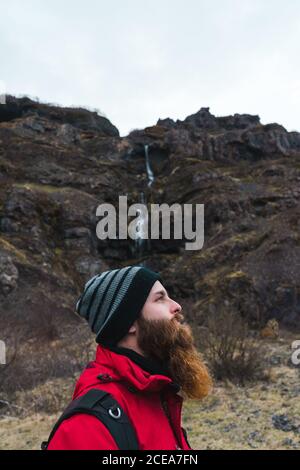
column 58, row 164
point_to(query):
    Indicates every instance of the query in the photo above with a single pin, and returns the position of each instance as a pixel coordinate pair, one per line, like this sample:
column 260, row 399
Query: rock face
column 8, row 274
column 58, row 164
column 67, row 118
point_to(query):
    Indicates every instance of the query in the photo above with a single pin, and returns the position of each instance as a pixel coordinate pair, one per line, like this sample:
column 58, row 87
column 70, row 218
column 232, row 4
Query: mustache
column 179, row 317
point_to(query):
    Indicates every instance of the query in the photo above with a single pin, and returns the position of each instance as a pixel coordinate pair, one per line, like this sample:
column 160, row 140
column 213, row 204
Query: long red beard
column 172, row 343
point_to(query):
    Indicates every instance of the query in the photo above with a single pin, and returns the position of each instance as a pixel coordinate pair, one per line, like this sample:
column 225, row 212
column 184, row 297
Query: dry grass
column 232, row 417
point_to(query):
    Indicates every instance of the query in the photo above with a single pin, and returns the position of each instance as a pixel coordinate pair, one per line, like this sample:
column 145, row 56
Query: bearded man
column 146, row 364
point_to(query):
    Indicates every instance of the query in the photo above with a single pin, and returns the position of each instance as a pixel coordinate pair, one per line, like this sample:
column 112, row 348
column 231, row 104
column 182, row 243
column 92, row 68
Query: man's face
column 162, row 335
column 159, row 306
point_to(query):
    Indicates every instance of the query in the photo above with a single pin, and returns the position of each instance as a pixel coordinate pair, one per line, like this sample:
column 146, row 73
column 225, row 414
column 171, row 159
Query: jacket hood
column 124, row 365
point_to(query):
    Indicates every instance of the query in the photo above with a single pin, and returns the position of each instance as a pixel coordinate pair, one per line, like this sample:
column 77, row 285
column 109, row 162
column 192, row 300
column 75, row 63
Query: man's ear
column 133, row 328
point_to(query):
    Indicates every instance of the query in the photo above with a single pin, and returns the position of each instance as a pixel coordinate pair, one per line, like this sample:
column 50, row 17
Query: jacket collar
column 147, row 364
column 125, row 366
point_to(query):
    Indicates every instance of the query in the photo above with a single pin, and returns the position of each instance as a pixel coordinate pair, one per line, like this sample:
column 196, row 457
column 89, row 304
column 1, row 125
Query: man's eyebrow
column 163, row 292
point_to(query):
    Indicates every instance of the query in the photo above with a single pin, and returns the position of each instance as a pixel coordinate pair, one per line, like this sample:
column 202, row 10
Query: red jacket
column 139, row 393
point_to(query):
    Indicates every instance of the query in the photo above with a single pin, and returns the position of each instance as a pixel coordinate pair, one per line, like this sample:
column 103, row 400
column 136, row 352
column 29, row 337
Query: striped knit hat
column 113, row 300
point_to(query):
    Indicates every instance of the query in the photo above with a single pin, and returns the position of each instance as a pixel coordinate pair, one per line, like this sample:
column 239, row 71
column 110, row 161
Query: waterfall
column 141, row 244
column 141, row 226
column 148, row 167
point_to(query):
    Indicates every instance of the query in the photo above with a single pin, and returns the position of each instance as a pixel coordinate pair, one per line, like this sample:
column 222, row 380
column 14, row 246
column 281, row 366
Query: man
column 145, row 356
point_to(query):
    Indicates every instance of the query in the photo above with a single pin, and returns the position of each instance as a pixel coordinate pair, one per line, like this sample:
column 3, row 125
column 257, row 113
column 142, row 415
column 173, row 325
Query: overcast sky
column 141, row 60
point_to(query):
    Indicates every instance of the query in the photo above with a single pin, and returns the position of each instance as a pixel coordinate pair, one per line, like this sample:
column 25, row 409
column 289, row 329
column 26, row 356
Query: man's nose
column 176, row 307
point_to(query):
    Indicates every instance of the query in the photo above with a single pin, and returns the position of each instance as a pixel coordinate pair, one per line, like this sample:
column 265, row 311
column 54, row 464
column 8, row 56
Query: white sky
column 141, row 60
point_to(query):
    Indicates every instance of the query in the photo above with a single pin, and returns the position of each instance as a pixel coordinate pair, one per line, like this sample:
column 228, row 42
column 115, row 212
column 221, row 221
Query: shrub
column 233, row 353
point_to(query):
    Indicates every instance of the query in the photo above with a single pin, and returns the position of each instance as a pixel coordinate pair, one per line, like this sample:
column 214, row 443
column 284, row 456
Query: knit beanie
column 113, row 300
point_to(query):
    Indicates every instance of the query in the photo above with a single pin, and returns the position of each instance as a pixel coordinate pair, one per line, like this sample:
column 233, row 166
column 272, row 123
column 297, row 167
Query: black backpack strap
column 185, row 436
column 103, row 406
